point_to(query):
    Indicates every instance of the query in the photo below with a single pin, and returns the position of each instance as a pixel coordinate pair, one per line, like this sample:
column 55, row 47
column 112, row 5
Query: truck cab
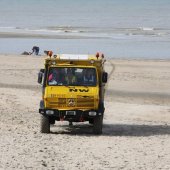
column 73, row 89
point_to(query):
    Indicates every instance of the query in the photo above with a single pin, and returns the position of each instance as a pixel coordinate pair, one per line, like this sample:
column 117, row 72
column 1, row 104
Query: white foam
column 147, row 28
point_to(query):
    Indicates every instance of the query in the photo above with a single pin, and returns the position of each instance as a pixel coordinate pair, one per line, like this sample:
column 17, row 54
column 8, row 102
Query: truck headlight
column 49, row 112
column 92, row 113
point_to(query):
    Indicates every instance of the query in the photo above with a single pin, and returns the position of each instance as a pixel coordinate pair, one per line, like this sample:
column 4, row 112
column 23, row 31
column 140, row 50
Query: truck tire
column 41, row 104
column 52, row 120
column 45, row 124
column 98, row 124
column 101, row 107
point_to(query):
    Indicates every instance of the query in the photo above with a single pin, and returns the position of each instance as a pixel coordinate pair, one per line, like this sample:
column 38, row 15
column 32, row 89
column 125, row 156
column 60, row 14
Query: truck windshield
column 71, row 76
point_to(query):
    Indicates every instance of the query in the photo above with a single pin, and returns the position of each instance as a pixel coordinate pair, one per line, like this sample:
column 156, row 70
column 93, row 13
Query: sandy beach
column 136, row 130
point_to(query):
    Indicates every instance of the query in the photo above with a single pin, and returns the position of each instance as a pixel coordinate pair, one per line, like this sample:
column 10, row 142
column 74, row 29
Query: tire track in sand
column 110, row 74
column 19, row 86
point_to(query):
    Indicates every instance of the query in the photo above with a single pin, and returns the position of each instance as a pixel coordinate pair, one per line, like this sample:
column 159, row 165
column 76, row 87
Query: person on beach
column 35, row 50
column 26, row 53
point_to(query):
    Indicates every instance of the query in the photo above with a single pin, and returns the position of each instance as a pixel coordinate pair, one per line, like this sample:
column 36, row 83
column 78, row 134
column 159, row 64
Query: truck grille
column 73, row 102
column 85, row 101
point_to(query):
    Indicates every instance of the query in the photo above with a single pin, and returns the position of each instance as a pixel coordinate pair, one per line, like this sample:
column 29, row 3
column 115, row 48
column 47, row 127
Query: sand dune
column 136, row 131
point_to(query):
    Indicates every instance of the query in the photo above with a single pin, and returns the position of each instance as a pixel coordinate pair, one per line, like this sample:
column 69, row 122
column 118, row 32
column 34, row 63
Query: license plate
column 71, row 113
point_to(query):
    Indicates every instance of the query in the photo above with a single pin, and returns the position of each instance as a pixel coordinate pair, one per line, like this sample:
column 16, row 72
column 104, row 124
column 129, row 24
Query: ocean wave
column 52, row 30
column 93, row 32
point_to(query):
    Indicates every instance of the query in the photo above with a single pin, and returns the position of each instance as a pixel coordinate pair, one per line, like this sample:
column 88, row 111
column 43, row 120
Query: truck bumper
column 70, row 115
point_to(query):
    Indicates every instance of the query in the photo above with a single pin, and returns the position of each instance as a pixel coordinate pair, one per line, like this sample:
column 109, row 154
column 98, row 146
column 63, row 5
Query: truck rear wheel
column 45, row 124
column 97, row 125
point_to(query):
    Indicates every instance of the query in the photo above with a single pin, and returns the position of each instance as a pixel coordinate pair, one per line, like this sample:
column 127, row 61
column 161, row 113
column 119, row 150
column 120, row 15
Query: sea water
column 118, row 28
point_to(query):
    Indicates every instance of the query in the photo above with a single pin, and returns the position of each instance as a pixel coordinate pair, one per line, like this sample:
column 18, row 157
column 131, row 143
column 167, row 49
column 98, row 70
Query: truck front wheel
column 45, row 124
column 97, row 125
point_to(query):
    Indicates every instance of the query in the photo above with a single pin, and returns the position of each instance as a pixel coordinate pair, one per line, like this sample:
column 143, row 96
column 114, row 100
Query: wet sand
column 31, row 35
column 136, row 131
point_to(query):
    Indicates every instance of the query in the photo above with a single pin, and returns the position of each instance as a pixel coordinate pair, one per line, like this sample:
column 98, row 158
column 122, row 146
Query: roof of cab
column 77, row 57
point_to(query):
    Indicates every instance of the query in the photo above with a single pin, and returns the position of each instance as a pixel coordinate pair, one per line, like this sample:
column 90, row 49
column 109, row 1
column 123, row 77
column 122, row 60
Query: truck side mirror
column 104, row 77
column 40, row 76
column 42, row 70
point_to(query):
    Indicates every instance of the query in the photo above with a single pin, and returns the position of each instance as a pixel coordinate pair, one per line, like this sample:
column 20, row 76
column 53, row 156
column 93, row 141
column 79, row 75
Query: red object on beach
column 50, row 53
column 97, row 55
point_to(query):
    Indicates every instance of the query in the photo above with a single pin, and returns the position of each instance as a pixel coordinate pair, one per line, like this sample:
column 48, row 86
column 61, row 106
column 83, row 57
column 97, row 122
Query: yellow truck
column 73, row 89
